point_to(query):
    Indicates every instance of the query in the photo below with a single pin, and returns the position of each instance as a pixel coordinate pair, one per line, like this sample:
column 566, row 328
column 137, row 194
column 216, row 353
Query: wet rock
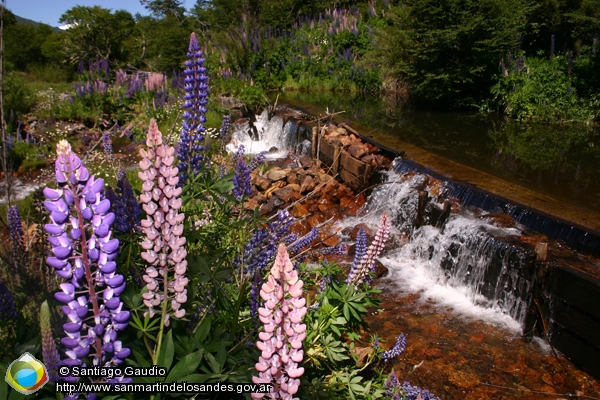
column 260, row 198
column 293, row 178
column 250, row 204
column 299, row 211
column 308, row 184
column 328, row 239
column 285, row 193
column 276, row 174
column 267, row 208
column 260, row 182
column 358, row 151
column 275, row 186
column 316, row 219
column 300, row 228
column 380, row 269
column 273, row 150
column 352, row 232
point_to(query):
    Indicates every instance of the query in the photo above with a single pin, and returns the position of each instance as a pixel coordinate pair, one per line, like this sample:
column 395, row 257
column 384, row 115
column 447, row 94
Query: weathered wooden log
column 541, row 251
column 314, row 142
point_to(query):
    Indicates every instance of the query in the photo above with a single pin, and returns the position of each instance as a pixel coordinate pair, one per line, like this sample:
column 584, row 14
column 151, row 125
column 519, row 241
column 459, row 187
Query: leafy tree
column 96, row 33
column 450, row 49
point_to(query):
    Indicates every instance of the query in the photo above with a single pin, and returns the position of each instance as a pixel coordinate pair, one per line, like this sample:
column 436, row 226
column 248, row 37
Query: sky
column 49, row 11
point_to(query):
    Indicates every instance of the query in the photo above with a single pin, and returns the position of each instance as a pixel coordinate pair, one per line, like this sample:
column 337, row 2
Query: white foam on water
column 416, row 267
column 272, row 133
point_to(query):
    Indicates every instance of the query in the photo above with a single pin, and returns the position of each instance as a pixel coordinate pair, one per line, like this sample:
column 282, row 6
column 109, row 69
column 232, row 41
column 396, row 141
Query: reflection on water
column 558, row 160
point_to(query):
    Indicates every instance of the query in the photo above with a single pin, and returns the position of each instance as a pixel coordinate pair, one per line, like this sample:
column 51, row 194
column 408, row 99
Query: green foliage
column 543, row 91
column 18, row 97
column 451, row 47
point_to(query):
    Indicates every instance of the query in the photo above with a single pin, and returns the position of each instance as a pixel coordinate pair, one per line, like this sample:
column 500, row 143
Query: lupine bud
column 241, row 180
column 49, row 353
column 163, row 227
column 281, row 340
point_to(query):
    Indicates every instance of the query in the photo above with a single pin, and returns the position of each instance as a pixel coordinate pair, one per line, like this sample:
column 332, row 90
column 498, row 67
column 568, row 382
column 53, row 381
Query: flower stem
column 162, row 315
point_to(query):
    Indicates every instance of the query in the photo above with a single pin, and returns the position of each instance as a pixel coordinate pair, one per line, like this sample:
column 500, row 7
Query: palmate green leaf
column 185, row 366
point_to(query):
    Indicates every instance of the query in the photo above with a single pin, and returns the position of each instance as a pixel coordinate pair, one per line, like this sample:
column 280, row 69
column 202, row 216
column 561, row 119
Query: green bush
column 18, row 97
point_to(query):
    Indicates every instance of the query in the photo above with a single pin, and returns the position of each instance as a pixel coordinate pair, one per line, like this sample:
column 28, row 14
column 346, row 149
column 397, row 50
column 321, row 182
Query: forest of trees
column 449, row 54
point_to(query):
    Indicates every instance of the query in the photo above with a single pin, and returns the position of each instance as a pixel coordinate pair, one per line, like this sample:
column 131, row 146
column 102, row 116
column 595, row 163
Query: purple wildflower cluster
column 405, row 391
column 163, row 228
column 15, row 229
column 241, row 179
column 225, row 126
column 281, row 340
column 196, row 93
column 8, row 308
column 397, row 349
column 107, row 145
column 124, row 204
column 84, row 253
column 257, row 160
column 363, row 271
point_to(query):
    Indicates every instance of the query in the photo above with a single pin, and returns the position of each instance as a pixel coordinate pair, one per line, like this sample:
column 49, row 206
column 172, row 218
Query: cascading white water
column 270, row 135
column 466, row 266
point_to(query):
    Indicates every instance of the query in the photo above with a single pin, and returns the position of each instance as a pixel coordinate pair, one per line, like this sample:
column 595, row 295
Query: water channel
column 465, row 331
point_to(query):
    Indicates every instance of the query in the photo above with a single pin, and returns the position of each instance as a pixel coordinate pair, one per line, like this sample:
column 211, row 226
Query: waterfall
column 273, row 135
column 469, row 264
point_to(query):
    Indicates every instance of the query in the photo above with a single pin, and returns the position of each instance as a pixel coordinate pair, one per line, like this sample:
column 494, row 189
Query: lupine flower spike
column 7, row 303
column 281, row 340
column 363, row 271
column 84, row 254
column 163, row 227
column 49, row 352
column 192, row 131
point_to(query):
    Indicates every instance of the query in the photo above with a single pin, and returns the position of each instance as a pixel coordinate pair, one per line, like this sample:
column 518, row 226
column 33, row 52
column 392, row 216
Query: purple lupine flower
column 8, row 309
column 360, row 248
column 84, row 256
column 129, row 217
column 364, row 271
column 257, row 160
column 107, row 145
column 196, row 93
column 15, row 229
column 397, row 349
column 261, row 249
column 50, row 355
column 281, row 340
column 411, row 392
column 304, row 241
column 241, row 180
column 163, row 242
column 225, row 126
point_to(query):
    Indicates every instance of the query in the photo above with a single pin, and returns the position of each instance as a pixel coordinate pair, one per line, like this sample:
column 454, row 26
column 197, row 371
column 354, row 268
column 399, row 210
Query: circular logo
column 26, row 374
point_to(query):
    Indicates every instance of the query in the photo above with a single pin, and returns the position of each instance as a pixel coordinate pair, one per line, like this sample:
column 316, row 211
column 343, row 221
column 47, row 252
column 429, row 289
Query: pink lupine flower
column 281, row 340
column 361, row 273
column 163, row 243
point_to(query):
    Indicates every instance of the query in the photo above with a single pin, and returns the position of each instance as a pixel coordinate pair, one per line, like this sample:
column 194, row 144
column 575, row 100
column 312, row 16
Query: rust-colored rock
column 300, row 228
column 328, row 239
column 299, row 211
column 250, row 204
column 308, row 184
column 316, row 219
column 355, row 230
column 267, row 208
column 285, row 193
column 358, row 151
column 260, row 182
column 277, row 174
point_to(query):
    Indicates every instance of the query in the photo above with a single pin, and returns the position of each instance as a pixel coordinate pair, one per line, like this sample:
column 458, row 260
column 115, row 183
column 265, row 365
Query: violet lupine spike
column 84, row 252
column 15, row 229
column 50, row 355
column 127, row 214
column 107, row 145
column 367, row 264
column 257, row 160
column 8, row 308
column 163, row 227
column 225, row 126
column 241, row 180
column 281, row 340
column 359, row 253
column 397, row 349
column 191, row 136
